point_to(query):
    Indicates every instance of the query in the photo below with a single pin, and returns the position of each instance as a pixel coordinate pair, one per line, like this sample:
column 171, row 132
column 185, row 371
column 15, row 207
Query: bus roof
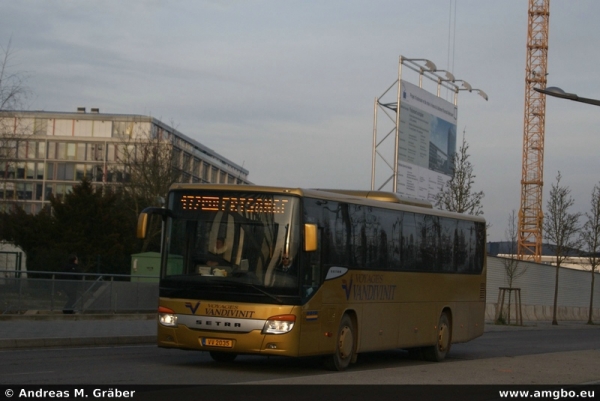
column 387, row 200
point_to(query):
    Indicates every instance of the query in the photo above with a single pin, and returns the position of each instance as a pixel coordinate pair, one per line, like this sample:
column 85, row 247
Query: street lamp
column 467, row 87
column 449, row 78
column 428, row 63
column 557, row 92
column 428, row 67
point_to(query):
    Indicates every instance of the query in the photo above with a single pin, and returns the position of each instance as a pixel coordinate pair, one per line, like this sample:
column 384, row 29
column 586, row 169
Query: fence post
column 52, row 294
column 20, row 293
column 113, row 306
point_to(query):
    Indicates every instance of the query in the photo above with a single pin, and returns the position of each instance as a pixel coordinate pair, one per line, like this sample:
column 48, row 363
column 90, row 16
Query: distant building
column 44, row 153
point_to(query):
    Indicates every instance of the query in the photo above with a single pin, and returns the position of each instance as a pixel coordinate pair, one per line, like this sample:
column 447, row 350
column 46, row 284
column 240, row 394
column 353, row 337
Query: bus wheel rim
column 443, row 337
column 345, row 342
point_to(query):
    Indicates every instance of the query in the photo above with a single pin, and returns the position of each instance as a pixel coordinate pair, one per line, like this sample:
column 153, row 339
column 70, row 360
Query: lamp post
column 557, row 92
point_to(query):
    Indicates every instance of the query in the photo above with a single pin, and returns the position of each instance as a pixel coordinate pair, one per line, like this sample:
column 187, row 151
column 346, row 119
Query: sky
column 286, row 88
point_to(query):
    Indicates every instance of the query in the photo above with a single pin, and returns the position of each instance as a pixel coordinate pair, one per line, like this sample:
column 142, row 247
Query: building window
column 97, row 173
column 39, row 171
column 65, row 171
column 30, row 172
column 49, row 171
column 41, row 150
column 80, row 172
column 95, row 151
column 20, row 170
column 205, row 172
column 81, row 151
column 39, row 191
column 112, row 149
column 71, row 151
column 49, row 191
column 31, row 149
column 40, row 126
column 24, row 191
column 186, row 163
column 52, row 150
column 61, row 150
column 196, row 167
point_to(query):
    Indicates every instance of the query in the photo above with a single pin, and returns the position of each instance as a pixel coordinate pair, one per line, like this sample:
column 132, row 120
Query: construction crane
column 529, row 241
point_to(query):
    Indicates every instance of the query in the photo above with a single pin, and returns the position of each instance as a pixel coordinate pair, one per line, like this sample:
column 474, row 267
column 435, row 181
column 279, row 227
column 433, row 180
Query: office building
column 44, row 153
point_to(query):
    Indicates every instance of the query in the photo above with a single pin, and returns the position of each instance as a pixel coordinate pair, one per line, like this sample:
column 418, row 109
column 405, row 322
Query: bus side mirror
column 310, row 237
column 142, row 226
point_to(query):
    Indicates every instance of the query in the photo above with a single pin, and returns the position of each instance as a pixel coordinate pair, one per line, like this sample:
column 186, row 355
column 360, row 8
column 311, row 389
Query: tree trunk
column 590, row 315
column 554, row 320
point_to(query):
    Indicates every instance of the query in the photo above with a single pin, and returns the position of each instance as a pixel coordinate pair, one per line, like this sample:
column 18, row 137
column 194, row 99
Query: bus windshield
column 232, row 246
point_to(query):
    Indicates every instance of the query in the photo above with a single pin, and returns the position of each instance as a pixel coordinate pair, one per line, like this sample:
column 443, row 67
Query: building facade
column 47, row 153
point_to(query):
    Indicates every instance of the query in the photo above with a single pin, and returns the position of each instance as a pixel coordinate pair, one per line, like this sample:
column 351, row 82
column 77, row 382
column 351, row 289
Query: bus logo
column 347, row 288
column 335, row 272
column 191, row 307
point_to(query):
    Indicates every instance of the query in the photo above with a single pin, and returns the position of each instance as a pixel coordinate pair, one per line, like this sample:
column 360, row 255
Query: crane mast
column 529, row 241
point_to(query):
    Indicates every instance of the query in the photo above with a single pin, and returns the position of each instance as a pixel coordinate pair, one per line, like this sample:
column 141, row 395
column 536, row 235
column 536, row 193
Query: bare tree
column 560, row 228
column 458, row 194
column 149, row 165
column 512, row 267
column 13, row 95
column 590, row 239
column 13, row 91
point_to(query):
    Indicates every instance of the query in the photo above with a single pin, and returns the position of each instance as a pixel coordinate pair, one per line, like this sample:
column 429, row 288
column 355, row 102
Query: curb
column 27, row 343
column 91, row 316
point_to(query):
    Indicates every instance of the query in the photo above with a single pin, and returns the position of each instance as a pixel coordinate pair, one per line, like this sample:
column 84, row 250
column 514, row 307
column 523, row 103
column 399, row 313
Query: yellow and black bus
column 300, row 272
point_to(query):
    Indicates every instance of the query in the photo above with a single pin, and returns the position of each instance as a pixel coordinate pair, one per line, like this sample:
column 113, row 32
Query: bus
column 295, row 272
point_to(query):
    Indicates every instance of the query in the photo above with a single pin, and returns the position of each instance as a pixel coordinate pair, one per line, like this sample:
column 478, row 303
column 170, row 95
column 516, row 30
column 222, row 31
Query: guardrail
column 33, row 292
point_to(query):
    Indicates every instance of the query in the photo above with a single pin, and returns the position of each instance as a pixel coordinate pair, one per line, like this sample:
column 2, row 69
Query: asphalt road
column 566, row 355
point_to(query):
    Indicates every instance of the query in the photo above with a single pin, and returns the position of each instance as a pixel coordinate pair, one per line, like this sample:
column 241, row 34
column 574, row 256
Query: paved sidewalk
column 37, row 331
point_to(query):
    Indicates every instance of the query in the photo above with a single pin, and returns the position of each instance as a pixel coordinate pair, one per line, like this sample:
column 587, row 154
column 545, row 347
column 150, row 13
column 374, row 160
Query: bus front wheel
column 437, row 352
column 344, row 346
column 223, row 357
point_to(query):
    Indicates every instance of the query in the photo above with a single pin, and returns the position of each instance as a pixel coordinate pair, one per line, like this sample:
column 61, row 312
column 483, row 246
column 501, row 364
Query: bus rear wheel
column 437, row 352
column 344, row 346
column 223, row 357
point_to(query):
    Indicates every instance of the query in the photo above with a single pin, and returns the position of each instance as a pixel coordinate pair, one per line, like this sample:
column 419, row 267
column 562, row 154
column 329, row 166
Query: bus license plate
column 217, row 342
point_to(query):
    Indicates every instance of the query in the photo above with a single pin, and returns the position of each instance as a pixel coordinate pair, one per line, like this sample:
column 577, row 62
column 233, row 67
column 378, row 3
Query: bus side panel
column 416, row 322
column 316, row 319
column 379, row 326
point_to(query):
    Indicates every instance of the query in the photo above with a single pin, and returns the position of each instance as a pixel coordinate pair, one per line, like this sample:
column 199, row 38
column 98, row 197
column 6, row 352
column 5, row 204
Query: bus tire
column 437, row 352
column 223, row 357
column 344, row 346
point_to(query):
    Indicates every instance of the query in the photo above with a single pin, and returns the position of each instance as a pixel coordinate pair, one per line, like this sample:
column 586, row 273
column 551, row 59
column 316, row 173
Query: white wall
column 537, row 289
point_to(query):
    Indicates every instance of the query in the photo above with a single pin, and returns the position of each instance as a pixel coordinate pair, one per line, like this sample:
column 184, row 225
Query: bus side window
column 312, row 273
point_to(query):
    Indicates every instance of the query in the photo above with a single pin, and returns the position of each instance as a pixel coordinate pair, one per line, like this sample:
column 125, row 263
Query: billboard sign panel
column 426, row 143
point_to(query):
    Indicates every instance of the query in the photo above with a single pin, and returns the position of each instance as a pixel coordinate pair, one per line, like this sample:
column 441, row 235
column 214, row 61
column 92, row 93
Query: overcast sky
column 286, row 88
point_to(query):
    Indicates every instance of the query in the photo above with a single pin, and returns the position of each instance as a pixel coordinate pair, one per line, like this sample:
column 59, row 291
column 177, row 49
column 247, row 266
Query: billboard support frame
column 425, row 68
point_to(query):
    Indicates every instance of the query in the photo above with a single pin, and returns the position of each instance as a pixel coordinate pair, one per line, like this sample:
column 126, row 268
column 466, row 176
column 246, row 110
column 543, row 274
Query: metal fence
column 34, row 292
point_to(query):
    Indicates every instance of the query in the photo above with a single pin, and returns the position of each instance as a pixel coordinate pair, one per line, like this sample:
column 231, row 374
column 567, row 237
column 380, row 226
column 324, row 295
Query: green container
column 145, row 267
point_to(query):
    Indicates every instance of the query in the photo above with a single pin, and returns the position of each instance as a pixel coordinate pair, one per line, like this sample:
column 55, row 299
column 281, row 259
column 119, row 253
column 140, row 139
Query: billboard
column 426, row 142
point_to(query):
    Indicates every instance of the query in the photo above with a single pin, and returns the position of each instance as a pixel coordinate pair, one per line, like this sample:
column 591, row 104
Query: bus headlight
column 280, row 324
column 167, row 317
